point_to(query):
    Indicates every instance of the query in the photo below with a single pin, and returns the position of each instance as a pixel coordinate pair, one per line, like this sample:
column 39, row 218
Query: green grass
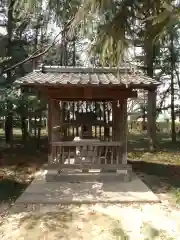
column 176, row 194
column 152, row 233
column 160, row 170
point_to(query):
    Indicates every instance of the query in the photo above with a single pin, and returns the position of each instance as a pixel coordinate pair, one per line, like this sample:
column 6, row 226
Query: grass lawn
column 160, row 170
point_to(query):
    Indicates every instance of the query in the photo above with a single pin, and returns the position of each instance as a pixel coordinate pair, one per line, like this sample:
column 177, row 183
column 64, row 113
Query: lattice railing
column 87, row 154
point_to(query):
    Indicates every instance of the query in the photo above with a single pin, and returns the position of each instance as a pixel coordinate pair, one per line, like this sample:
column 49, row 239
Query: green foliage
column 176, row 194
column 115, row 21
column 110, row 22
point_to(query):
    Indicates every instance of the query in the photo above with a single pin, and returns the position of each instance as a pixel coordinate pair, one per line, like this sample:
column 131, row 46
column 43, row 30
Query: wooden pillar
column 49, row 131
column 53, row 125
column 116, row 128
column 56, row 119
column 151, row 118
column 119, row 127
column 123, row 130
column 116, row 125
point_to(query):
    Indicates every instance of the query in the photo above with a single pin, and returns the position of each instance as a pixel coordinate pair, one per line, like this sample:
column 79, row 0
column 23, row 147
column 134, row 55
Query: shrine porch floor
column 85, row 191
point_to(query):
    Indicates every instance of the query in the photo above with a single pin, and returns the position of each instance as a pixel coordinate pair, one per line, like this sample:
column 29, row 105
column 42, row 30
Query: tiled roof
column 86, row 76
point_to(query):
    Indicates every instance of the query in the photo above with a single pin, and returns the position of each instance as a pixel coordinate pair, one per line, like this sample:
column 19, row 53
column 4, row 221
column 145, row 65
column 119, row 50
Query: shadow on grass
column 159, row 177
column 67, row 222
column 10, row 190
column 159, row 170
column 17, row 165
column 24, row 154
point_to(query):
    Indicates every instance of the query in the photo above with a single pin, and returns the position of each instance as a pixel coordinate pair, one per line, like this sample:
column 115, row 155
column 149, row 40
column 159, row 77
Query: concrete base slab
column 42, row 192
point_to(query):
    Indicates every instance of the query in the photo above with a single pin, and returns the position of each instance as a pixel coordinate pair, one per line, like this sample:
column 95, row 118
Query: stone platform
column 85, row 190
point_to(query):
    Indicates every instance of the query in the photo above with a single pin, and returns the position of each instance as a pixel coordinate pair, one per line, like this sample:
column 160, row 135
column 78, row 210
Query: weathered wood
column 116, row 121
column 85, row 93
column 54, row 122
column 116, row 128
column 87, row 143
column 49, row 131
column 56, row 128
column 87, row 153
column 123, row 130
column 114, row 152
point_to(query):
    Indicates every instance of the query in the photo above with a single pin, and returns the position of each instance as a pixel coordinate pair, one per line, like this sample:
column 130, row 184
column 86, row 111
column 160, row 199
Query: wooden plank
column 87, row 143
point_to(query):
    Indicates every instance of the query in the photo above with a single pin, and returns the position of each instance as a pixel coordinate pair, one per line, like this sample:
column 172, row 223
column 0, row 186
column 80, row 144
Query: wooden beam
column 81, row 93
column 85, row 143
column 88, row 93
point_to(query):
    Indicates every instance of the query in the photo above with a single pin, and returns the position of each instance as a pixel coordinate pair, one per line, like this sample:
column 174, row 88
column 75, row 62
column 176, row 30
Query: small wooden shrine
column 90, row 103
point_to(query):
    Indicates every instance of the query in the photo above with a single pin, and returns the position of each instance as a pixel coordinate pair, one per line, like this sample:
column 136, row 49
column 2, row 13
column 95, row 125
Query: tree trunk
column 35, row 44
column 9, row 128
column 35, row 126
column 173, row 117
column 39, row 129
column 152, row 119
column 64, row 55
column 30, row 126
column 24, row 129
column 149, row 59
column 144, row 125
column 9, row 118
column 74, row 52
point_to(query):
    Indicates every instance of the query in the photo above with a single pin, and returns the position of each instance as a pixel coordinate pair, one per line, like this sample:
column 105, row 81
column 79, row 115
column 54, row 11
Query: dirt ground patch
column 98, row 221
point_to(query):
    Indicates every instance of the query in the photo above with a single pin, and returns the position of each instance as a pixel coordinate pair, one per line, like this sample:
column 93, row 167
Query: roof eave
column 123, row 86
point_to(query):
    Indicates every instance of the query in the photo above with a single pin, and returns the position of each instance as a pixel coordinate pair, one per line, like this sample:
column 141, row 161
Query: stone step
column 87, row 176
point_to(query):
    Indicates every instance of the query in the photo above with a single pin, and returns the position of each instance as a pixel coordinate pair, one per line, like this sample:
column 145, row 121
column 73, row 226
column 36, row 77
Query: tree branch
column 35, row 55
column 178, row 78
